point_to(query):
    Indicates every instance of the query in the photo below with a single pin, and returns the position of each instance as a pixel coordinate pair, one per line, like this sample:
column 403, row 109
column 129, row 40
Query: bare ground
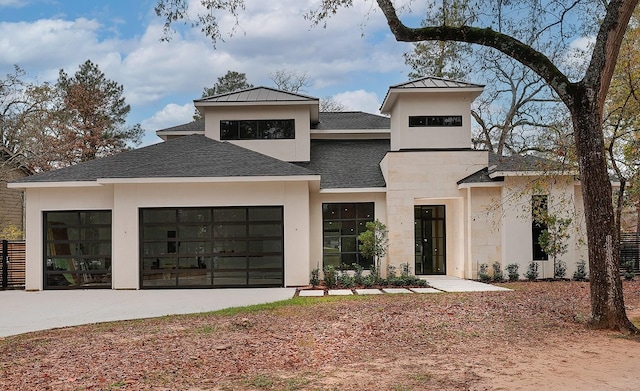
column 533, row 338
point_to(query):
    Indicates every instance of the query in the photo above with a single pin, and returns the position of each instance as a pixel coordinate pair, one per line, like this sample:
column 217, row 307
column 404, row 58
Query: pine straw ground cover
column 534, row 337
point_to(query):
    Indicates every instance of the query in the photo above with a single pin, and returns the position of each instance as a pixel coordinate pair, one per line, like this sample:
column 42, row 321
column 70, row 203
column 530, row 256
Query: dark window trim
column 360, row 259
column 256, row 129
column 429, row 121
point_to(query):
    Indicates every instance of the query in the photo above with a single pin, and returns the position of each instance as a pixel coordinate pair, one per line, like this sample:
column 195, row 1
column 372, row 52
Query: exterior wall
column 565, row 200
column 11, row 200
column 54, row 199
column 429, row 178
column 295, row 150
column 484, row 227
column 315, row 213
column 410, row 104
column 125, row 199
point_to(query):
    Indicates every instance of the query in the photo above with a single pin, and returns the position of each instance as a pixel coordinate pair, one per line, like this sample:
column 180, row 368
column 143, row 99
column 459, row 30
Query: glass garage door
column 212, row 247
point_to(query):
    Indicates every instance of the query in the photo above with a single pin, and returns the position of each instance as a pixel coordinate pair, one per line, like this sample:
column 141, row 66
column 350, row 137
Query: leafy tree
column 91, row 121
column 444, row 59
column 553, row 239
column 532, row 33
column 230, row 82
column 374, row 242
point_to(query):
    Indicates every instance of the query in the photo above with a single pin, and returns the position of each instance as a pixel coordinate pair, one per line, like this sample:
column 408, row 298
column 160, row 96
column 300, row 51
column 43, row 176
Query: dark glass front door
column 430, row 239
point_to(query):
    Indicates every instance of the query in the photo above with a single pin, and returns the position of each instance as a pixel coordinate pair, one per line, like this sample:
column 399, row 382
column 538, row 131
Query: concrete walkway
column 438, row 284
column 455, row 284
column 22, row 312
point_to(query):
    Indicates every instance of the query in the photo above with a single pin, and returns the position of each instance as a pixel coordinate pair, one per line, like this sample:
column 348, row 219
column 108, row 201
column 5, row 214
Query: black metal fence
column 12, row 265
column 630, row 250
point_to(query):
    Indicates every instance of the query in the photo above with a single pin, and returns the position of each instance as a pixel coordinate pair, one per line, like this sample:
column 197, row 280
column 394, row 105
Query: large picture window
column 257, row 129
column 212, row 247
column 77, row 249
column 434, row 120
column 342, row 223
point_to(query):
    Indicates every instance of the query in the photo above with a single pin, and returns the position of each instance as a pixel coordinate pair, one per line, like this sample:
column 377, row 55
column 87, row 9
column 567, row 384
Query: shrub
column 532, row 271
column 512, row 271
column 391, row 272
column 483, row 275
column 344, row 279
column 357, row 274
column 581, row 271
column 560, row 269
column 498, row 276
column 330, row 276
column 315, row 277
column 405, row 269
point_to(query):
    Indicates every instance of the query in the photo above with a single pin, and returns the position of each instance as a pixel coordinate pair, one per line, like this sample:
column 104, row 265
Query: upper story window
column 434, row 120
column 257, row 129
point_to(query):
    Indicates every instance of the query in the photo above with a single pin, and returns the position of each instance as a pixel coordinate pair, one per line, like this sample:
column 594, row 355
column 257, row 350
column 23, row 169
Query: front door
column 430, row 239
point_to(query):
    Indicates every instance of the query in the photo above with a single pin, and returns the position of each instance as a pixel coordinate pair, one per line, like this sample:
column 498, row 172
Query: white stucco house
column 267, row 188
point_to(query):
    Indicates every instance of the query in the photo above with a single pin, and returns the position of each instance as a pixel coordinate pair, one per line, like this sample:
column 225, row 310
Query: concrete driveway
column 22, row 312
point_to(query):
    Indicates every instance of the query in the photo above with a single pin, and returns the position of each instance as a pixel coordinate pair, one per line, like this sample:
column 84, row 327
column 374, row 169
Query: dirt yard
column 533, row 338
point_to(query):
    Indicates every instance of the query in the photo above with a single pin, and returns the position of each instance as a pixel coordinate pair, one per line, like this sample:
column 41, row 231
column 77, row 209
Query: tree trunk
column 607, row 301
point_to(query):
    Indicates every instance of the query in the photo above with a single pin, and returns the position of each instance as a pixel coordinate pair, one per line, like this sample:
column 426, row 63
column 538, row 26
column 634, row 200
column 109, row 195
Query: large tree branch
column 607, row 47
column 506, row 44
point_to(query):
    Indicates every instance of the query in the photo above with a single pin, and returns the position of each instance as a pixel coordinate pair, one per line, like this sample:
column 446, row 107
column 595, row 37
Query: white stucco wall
column 294, row 150
column 429, row 178
column 125, row 199
column 418, row 104
column 484, row 228
column 565, row 201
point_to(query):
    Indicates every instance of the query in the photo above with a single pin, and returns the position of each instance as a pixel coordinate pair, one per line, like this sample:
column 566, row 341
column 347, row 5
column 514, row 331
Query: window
column 212, row 247
column 77, row 249
column 342, row 223
column 434, row 120
column 539, row 212
column 257, row 129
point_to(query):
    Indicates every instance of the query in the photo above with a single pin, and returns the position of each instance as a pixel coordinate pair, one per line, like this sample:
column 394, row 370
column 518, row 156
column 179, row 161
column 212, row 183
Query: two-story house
column 267, row 188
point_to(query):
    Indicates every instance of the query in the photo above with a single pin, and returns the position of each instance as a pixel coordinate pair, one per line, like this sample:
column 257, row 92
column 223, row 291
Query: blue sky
column 354, row 59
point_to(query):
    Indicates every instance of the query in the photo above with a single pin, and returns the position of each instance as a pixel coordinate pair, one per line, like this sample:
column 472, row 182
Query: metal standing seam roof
column 187, row 156
column 436, row 82
column 258, row 94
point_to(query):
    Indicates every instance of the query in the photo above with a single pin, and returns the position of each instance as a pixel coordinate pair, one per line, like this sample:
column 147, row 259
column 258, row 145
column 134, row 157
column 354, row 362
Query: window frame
column 340, row 237
column 435, row 121
column 258, row 129
column 538, row 201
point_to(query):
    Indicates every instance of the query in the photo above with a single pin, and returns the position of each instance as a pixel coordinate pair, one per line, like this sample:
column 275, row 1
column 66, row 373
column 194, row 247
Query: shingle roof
column 352, row 120
column 348, row 163
column 190, row 127
column 188, row 156
column 514, row 163
column 258, row 94
column 328, row 121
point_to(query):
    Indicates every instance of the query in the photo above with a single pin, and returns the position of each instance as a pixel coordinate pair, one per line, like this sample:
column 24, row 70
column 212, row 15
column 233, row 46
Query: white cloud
column 359, row 100
column 171, row 115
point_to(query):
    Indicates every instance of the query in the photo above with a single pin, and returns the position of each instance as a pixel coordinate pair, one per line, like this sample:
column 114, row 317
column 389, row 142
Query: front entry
column 430, row 239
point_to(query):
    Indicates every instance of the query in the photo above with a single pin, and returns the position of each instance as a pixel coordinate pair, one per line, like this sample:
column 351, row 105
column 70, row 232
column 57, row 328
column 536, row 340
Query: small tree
column 553, row 240
column 374, row 242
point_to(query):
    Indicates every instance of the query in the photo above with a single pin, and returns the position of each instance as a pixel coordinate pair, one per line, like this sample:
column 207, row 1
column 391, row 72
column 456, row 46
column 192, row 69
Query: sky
column 353, row 60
